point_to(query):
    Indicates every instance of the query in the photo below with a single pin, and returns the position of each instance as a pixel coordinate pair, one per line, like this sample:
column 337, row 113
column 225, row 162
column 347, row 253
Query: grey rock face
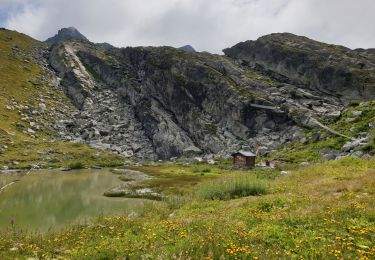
column 153, row 103
column 331, row 69
column 157, row 103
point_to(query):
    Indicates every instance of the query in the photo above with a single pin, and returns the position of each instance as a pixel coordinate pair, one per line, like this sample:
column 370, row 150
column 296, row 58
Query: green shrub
column 76, row 165
column 233, row 187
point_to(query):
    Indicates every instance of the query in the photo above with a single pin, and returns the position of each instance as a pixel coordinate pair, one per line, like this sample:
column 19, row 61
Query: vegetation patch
column 260, row 77
column 92, row 71
column 76, row 165
column 238, row 186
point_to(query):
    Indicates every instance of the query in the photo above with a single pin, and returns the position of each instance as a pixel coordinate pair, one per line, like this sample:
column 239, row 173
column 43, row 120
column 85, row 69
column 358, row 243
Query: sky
column 207, row 25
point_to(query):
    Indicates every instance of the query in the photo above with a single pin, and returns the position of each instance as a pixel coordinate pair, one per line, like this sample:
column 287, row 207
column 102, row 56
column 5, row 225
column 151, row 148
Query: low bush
column 206, row 170
column 76, row 165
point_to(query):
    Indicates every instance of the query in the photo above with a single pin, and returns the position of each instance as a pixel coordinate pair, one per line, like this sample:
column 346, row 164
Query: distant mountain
column 188, row 48
column 67, row 34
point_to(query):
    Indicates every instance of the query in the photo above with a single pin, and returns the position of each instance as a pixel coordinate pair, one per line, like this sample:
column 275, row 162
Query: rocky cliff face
column 160, row 102
column 330, row 69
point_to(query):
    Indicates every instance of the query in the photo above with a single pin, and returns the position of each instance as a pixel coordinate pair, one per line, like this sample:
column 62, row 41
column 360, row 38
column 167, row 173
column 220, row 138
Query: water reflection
column 52, row 199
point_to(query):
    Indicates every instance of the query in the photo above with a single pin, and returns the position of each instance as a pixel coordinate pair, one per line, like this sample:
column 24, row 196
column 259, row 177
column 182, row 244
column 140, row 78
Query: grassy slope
column 324, row 211
column 21, row 83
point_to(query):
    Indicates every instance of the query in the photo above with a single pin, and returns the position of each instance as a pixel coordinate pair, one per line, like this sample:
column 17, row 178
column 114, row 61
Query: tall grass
column 238, row 186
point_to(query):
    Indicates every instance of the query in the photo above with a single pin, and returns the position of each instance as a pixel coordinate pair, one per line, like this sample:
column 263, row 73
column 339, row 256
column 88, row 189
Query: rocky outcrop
column 332, row 70
column 76, row 79
column 154, row 103
column 160, row 102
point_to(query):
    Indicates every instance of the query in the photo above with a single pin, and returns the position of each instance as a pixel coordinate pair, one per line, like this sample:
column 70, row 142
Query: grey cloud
column 209, row 25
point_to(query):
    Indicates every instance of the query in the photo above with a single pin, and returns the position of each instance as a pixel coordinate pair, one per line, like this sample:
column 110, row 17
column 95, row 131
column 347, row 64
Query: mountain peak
column 66, row 34
column 188, row 48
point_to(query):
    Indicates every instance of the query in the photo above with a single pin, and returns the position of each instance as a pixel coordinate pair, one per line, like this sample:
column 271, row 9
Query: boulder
column 352, row 120
column 356, row 113
column 329, row 157
column 191, row 151
column 357, row 154
column 354, row 144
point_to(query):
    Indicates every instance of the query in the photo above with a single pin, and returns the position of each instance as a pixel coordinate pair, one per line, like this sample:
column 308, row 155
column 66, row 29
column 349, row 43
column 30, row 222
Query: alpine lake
column 52, row 199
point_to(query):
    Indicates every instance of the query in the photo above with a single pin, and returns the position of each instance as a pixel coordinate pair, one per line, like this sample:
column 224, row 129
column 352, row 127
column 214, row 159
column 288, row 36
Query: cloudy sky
column 208, row 25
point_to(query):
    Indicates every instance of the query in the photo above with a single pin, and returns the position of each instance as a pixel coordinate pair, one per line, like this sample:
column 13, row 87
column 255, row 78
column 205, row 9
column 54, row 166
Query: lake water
column 46, row 200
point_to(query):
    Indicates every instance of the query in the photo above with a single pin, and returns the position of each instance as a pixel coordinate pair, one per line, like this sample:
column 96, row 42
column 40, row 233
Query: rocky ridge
column 160, row 102
column 155, row 103
column 332, row 70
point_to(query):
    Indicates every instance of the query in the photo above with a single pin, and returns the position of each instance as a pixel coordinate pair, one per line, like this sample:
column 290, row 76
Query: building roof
column 245, row 153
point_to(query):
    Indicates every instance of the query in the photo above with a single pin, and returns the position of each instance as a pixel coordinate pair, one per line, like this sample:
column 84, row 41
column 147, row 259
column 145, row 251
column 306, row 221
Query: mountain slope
column 31, row 101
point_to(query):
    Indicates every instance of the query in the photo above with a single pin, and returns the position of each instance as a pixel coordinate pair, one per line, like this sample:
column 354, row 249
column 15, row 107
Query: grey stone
column 356, row 113
column 54, row 160
column 136, row 147
column 357, row 154
column 42, row 106
column 316, row 137
column 65, row 169
column 34, row 166
column 329, row 157
column 352, row 120
column 211, row 161
column 30, row 131
column 353, row 144
column 191, row 150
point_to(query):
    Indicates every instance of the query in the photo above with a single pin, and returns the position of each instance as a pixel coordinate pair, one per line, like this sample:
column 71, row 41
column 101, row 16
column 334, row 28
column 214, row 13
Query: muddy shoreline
column 132, row 186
